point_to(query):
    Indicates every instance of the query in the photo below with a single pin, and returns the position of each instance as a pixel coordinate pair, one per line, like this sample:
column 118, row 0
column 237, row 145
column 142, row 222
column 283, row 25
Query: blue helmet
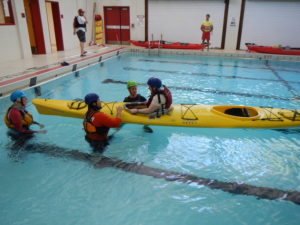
column 90, row 98
column 154, row 82
column 17, row 94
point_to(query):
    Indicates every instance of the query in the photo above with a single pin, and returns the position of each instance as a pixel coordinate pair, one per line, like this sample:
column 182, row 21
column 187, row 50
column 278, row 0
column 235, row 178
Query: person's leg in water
column 147, row 129
column 97, row 146
column 19, row 140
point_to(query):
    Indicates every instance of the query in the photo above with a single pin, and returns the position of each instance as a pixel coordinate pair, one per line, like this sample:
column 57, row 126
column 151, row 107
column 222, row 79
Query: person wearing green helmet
column 135, row 97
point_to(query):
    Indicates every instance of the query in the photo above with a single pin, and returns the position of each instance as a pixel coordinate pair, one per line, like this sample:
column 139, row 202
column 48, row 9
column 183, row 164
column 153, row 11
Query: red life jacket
column 168, row 95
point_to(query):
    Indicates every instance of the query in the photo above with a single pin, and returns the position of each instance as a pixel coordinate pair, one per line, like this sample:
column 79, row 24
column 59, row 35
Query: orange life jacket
column 26, row 121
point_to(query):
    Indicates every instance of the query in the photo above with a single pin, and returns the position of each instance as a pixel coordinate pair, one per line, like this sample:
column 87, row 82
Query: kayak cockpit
column 236, row 111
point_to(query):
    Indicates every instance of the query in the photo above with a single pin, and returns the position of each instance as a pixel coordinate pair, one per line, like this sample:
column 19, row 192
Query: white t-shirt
column 156, row 103
column 81, row 20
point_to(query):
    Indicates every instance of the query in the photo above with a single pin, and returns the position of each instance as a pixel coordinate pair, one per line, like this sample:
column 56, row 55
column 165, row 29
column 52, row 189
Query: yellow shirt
column 206, row 26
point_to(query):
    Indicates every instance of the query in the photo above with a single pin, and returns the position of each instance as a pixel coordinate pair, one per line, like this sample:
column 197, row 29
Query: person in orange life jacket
column 79, row 27
column 135, row 97
column 17, row 118
column 97, row 124
column 206, row 28
column 160, row 99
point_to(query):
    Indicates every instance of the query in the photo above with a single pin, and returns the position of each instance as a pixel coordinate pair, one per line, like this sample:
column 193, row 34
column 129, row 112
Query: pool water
column 41, row 184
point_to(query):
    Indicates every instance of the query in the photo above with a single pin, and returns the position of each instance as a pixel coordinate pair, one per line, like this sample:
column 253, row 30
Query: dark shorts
column 81, row 36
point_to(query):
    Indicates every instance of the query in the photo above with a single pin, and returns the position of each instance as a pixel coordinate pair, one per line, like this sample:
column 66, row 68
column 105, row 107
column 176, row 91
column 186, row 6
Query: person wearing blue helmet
column 17, row 118
column 97, row 124
column 160, row 100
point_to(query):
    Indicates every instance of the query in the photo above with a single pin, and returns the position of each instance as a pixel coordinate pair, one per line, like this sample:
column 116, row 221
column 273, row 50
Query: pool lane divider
column 203, row 74
column 32, row 79
column 284, row 82
column 232, row 187
column 219, row 92
column 210, row 64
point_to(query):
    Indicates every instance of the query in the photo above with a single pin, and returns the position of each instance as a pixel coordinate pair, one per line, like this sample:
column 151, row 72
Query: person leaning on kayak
column 97, row 124
column 135, row 97
column 17, row 118
column 160, row 100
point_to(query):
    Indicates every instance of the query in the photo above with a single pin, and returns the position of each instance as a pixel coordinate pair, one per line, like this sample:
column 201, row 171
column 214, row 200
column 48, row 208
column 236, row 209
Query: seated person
column 97, row 124
column 135, row 97
column 160, row 99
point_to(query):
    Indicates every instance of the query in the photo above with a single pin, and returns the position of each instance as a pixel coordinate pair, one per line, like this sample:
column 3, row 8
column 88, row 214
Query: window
column 6, row 13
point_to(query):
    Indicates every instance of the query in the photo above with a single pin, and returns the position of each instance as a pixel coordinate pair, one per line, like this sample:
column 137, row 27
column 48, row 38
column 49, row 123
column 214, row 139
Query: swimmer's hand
column 41, row 125
column 119, row 110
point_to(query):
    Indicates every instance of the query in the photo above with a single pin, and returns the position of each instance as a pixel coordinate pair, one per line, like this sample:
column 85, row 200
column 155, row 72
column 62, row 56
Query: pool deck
column 15, row 71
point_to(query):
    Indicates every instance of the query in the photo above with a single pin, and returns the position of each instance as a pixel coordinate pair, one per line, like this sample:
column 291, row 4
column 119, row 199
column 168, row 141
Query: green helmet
column 131, row 83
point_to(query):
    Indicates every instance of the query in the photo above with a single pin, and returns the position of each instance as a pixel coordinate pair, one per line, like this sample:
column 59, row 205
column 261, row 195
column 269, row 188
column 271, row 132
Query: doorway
column 117, row 25
column 34, row 26
column 54, row 26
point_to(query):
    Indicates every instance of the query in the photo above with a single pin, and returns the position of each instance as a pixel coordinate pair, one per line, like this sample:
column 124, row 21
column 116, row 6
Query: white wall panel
column 180, row 20
column 271, row 23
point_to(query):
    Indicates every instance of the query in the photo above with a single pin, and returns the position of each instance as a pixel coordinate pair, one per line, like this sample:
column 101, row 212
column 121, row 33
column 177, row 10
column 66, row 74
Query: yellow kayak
column 183, row 115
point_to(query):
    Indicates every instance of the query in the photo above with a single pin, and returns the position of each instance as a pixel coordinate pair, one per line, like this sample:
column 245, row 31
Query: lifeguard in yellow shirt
column 206, row 28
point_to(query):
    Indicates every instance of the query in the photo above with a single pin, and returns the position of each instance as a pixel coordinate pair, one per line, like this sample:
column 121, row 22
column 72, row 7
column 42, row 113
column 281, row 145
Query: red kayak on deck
column 273, row 49
column 146, row 44
column 168, row 45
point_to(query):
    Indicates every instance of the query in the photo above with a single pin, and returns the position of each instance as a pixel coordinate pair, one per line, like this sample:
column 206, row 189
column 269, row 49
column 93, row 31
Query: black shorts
column 81, row 36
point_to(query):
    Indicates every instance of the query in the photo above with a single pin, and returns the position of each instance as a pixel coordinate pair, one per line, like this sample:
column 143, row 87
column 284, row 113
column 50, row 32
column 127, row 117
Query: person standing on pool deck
column 206, row 28
column 97, row 124
column 160, row 100
column 135, row 97
column 79, row 26
column 17, row 118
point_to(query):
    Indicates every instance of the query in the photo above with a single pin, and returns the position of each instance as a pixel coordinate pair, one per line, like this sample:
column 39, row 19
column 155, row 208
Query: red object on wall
column 117, row 24
column 37, row 26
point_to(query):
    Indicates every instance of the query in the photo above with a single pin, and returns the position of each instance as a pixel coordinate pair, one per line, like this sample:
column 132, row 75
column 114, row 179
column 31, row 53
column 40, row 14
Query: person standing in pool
column 17, row 118
column 79, row 27
column 206, row 28
column 19, row 121
column 135, row 97
column 160, row 100
column 97, row 124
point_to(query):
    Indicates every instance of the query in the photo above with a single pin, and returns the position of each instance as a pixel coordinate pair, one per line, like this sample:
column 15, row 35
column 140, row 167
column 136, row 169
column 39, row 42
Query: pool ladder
column 152, row 41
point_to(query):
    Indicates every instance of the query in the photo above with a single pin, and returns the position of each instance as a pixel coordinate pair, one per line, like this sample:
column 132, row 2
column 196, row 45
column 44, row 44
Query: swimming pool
column 41, row 184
